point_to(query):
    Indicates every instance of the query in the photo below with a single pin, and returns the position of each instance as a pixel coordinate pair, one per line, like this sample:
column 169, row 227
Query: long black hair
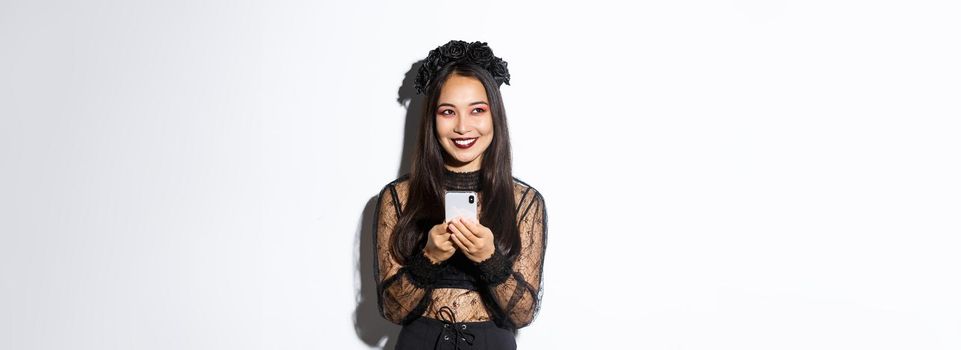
column 425, row 200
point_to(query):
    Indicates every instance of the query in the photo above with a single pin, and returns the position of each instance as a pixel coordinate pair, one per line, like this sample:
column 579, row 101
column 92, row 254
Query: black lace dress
column 500, row 291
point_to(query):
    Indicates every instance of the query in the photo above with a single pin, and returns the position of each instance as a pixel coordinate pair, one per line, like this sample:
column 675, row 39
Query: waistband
column 454, row 332
column 433, row 322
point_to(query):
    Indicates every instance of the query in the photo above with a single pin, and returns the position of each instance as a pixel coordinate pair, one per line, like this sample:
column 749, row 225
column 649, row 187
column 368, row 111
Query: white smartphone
column 458, row 203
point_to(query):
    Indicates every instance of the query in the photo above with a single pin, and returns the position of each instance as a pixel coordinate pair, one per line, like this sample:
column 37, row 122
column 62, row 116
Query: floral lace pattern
column 509, row 291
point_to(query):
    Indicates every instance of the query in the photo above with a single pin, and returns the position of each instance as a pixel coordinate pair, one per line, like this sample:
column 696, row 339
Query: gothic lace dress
column 506, row 291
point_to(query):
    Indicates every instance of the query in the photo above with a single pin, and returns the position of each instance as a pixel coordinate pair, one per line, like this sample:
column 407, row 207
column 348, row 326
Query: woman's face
column 465, row 127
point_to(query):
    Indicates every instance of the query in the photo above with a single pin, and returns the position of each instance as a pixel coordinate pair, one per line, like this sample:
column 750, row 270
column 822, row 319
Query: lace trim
column 495, row 270
column 423, row 272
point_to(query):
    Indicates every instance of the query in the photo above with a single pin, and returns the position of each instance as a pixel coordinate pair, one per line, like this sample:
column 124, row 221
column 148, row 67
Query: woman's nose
column 461, row 126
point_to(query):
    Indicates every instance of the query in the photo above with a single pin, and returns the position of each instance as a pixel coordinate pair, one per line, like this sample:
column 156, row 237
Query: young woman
column 461, row 284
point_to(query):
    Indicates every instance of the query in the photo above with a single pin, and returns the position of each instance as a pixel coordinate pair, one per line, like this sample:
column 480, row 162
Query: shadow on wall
column 371, row 328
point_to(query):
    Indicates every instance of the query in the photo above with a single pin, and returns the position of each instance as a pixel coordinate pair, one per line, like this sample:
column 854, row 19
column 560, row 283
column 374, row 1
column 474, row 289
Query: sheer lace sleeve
column 516, row 285
column 402, row 290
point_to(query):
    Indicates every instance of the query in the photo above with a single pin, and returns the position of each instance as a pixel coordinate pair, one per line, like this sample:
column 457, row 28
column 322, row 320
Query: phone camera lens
column 470, row 199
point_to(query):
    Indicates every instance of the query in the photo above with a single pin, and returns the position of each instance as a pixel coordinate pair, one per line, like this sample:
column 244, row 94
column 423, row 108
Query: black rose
column 476, row 52
column 498, row 69
column 480, row 54
column 423, row 77
column 427, row 67
column 455, row 49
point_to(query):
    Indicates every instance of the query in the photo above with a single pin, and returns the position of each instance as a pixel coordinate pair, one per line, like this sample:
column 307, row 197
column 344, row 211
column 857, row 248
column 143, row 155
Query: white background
column 718, row 174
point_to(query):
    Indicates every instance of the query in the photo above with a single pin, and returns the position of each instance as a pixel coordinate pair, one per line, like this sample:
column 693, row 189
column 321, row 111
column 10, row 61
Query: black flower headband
column 461, row 52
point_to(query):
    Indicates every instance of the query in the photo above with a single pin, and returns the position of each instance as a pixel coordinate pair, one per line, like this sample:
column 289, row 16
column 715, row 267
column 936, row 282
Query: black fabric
column 428, row 333
column 495, row 269
column 504, row 291
column 425, row 273
column 460, row 273
column 469, row 181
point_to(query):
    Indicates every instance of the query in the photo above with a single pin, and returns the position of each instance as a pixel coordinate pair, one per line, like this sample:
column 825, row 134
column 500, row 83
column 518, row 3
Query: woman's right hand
column 439, row 247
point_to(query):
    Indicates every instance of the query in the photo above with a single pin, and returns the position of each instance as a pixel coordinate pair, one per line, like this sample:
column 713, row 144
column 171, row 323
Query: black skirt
column 429, row 333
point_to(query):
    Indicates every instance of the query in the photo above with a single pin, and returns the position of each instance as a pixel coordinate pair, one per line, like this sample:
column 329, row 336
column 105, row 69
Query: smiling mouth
column 464, row 143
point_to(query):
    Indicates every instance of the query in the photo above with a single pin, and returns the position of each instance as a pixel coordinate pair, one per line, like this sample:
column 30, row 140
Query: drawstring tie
column 452, row 328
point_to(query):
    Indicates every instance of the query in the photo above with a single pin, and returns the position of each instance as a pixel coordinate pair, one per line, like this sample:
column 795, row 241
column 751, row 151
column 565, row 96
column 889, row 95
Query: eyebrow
column 471, row 104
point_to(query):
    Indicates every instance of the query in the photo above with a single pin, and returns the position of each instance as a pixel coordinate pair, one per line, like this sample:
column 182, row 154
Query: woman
column 461, row 284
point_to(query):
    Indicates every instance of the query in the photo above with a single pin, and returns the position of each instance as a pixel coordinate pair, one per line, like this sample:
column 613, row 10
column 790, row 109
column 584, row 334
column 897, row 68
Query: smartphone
column 458, row 203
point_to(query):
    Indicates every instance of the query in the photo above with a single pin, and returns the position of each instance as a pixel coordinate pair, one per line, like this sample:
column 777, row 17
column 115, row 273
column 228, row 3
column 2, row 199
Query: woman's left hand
column 475, row 240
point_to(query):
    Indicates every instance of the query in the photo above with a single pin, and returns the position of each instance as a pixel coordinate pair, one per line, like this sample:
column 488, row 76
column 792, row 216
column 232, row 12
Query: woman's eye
column 444, row 112
column 479, row 110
